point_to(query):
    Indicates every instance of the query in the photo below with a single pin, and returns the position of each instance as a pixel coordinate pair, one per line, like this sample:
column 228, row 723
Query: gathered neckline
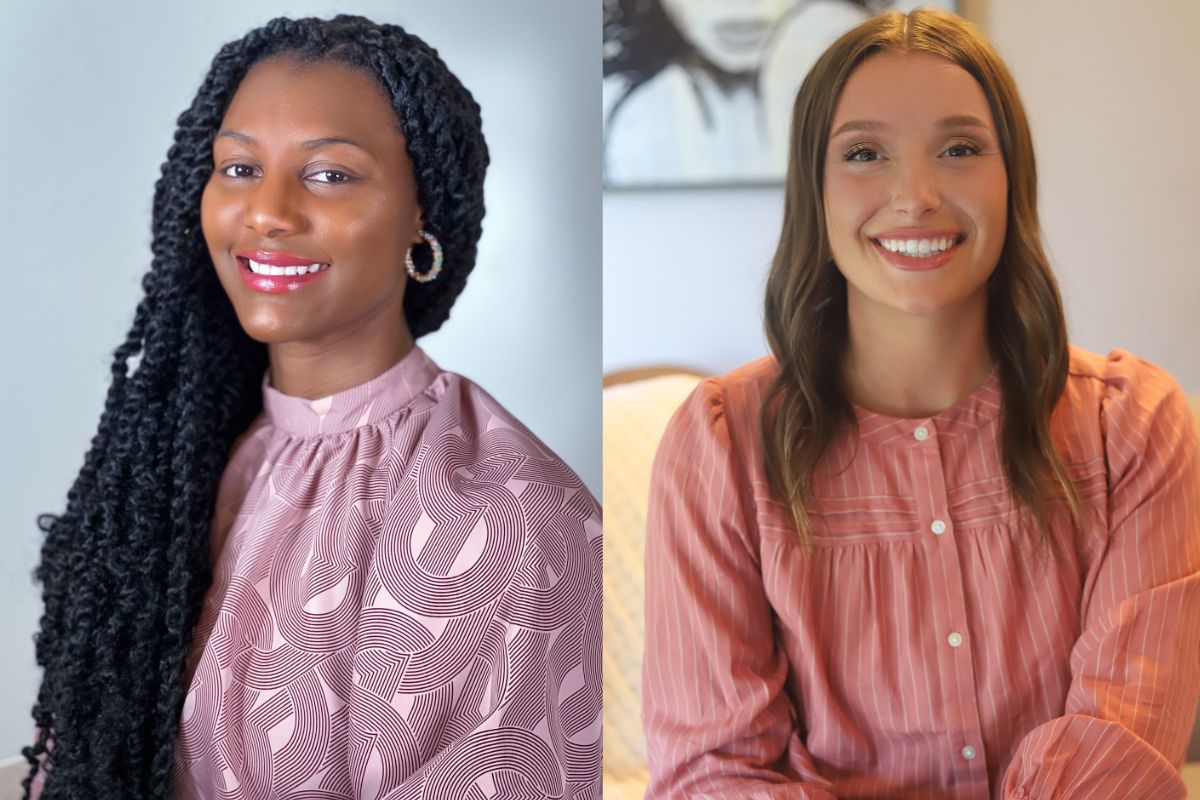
column 358, row 406
column 980, row 406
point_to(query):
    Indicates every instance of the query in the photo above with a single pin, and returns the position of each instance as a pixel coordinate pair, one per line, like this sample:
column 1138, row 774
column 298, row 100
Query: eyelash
column 345, row 177
column 971, row 146
column 850, row 154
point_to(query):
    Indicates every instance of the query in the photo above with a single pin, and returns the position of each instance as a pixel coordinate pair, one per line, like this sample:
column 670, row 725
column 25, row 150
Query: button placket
column 949, row 612
column 924, row 433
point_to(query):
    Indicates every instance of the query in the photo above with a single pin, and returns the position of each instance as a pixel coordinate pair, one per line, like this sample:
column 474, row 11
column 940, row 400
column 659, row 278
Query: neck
column 904, row 365
column 318, row 369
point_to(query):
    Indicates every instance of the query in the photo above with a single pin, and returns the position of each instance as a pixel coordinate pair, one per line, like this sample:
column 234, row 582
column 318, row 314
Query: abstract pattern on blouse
column 923, row 649
column 405, row 604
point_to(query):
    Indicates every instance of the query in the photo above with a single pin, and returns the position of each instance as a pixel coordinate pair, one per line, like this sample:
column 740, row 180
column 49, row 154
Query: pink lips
column 913, row 263
column 277, row 259
column 276, row 284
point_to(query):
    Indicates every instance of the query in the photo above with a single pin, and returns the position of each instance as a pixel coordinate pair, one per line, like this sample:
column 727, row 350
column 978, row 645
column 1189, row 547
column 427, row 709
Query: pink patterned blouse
column 922, row 651
column 406, row 604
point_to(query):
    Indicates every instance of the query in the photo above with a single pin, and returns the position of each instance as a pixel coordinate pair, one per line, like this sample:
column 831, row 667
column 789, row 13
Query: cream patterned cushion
column 635, row 415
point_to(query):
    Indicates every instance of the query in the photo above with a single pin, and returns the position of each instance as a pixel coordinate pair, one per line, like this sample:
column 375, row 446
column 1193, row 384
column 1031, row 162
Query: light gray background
column 89, row 94
column 1113, row 98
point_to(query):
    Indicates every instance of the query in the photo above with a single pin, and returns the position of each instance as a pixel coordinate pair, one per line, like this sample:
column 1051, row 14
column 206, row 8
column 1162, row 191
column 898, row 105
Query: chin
column 268, row 331
column 927, row 306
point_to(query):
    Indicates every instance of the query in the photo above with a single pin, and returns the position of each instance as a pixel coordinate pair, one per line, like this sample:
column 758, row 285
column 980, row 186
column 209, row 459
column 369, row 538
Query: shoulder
column 1138, row 404
column 1121, row 371
column 484, row 512
column 720, row 418
column 471, row 430
column 731, row 399
column 1125, row 384
column 750, row 381
column 475, row 464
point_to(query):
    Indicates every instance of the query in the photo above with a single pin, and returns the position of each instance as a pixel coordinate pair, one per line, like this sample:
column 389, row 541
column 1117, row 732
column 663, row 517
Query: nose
column 272, row 207
column 916, row 192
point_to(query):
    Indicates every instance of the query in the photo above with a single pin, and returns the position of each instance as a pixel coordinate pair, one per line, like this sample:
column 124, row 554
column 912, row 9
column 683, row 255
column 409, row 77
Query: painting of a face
column 732, row 36
column 700, row 92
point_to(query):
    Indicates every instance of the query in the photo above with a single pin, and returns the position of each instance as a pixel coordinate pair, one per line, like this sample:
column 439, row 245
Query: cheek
column 206, row 208
column 372, row 226
column 994, row 212
column 215, row 213
column 848, row 207
column 374, row 231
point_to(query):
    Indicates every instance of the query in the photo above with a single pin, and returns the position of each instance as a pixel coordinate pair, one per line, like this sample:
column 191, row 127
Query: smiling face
column 310, row 167
column 916, row 192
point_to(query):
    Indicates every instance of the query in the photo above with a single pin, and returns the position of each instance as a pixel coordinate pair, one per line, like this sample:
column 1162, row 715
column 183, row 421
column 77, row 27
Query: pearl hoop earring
column 434, row 268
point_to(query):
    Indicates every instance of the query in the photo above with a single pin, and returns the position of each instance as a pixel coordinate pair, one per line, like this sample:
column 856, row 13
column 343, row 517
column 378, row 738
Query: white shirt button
column 968, row 752
column 921, row 433
column 955, row 639
column 938, row 527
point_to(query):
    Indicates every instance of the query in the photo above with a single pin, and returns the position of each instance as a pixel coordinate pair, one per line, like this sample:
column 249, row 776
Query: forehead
column 908, row 89
column 283, row 98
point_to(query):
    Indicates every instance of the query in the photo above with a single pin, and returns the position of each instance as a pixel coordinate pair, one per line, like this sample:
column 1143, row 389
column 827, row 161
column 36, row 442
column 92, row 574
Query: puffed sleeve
column 1135, row 669
column 514, row 676
column 718, row 722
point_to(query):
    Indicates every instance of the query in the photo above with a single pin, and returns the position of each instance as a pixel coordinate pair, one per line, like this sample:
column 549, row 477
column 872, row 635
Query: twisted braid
column 125, row 567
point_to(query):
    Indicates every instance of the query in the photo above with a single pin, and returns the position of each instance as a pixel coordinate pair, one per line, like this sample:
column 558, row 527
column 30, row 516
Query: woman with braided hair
column 299, row 557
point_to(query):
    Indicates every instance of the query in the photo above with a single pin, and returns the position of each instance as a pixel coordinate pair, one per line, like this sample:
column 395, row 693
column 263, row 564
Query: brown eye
column 236, row 167
column 331, row 176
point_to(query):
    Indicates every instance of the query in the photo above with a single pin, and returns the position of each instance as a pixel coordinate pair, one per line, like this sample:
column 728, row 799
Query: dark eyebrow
column 959, row 121
column 311, row 144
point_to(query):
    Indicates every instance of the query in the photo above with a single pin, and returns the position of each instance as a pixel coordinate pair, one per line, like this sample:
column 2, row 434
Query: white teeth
column 918, row 248
column 266, row 269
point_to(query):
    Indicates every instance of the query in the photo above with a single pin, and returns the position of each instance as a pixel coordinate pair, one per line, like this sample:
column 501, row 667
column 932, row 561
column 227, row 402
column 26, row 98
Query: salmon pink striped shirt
column 922, row 650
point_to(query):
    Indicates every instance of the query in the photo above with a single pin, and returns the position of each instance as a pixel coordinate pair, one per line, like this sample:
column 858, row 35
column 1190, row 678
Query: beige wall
column 1113, row 94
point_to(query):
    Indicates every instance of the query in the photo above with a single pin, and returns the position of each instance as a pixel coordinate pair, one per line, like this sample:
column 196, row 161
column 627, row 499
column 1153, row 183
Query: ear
column 419, row 225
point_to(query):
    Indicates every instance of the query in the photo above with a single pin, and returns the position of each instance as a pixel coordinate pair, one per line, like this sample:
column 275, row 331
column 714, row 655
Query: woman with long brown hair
column 927, row 548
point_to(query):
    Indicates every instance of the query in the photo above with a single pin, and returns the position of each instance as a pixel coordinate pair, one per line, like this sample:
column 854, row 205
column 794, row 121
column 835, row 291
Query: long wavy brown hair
column 806, row 317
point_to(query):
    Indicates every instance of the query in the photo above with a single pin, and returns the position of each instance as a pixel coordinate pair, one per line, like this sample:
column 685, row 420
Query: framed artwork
column 699, row 92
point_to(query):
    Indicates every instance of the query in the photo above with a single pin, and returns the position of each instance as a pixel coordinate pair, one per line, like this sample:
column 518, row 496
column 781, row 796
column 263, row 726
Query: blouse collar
column 356, row 407
column 980, row 407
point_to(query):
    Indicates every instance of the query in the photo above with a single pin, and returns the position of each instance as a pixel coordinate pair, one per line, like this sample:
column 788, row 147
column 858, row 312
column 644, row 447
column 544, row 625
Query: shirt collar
column 980, row 407
column 356, row 407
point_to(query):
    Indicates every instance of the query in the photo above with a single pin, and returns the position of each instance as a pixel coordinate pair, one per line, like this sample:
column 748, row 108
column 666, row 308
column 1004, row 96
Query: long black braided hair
column 125, row 568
